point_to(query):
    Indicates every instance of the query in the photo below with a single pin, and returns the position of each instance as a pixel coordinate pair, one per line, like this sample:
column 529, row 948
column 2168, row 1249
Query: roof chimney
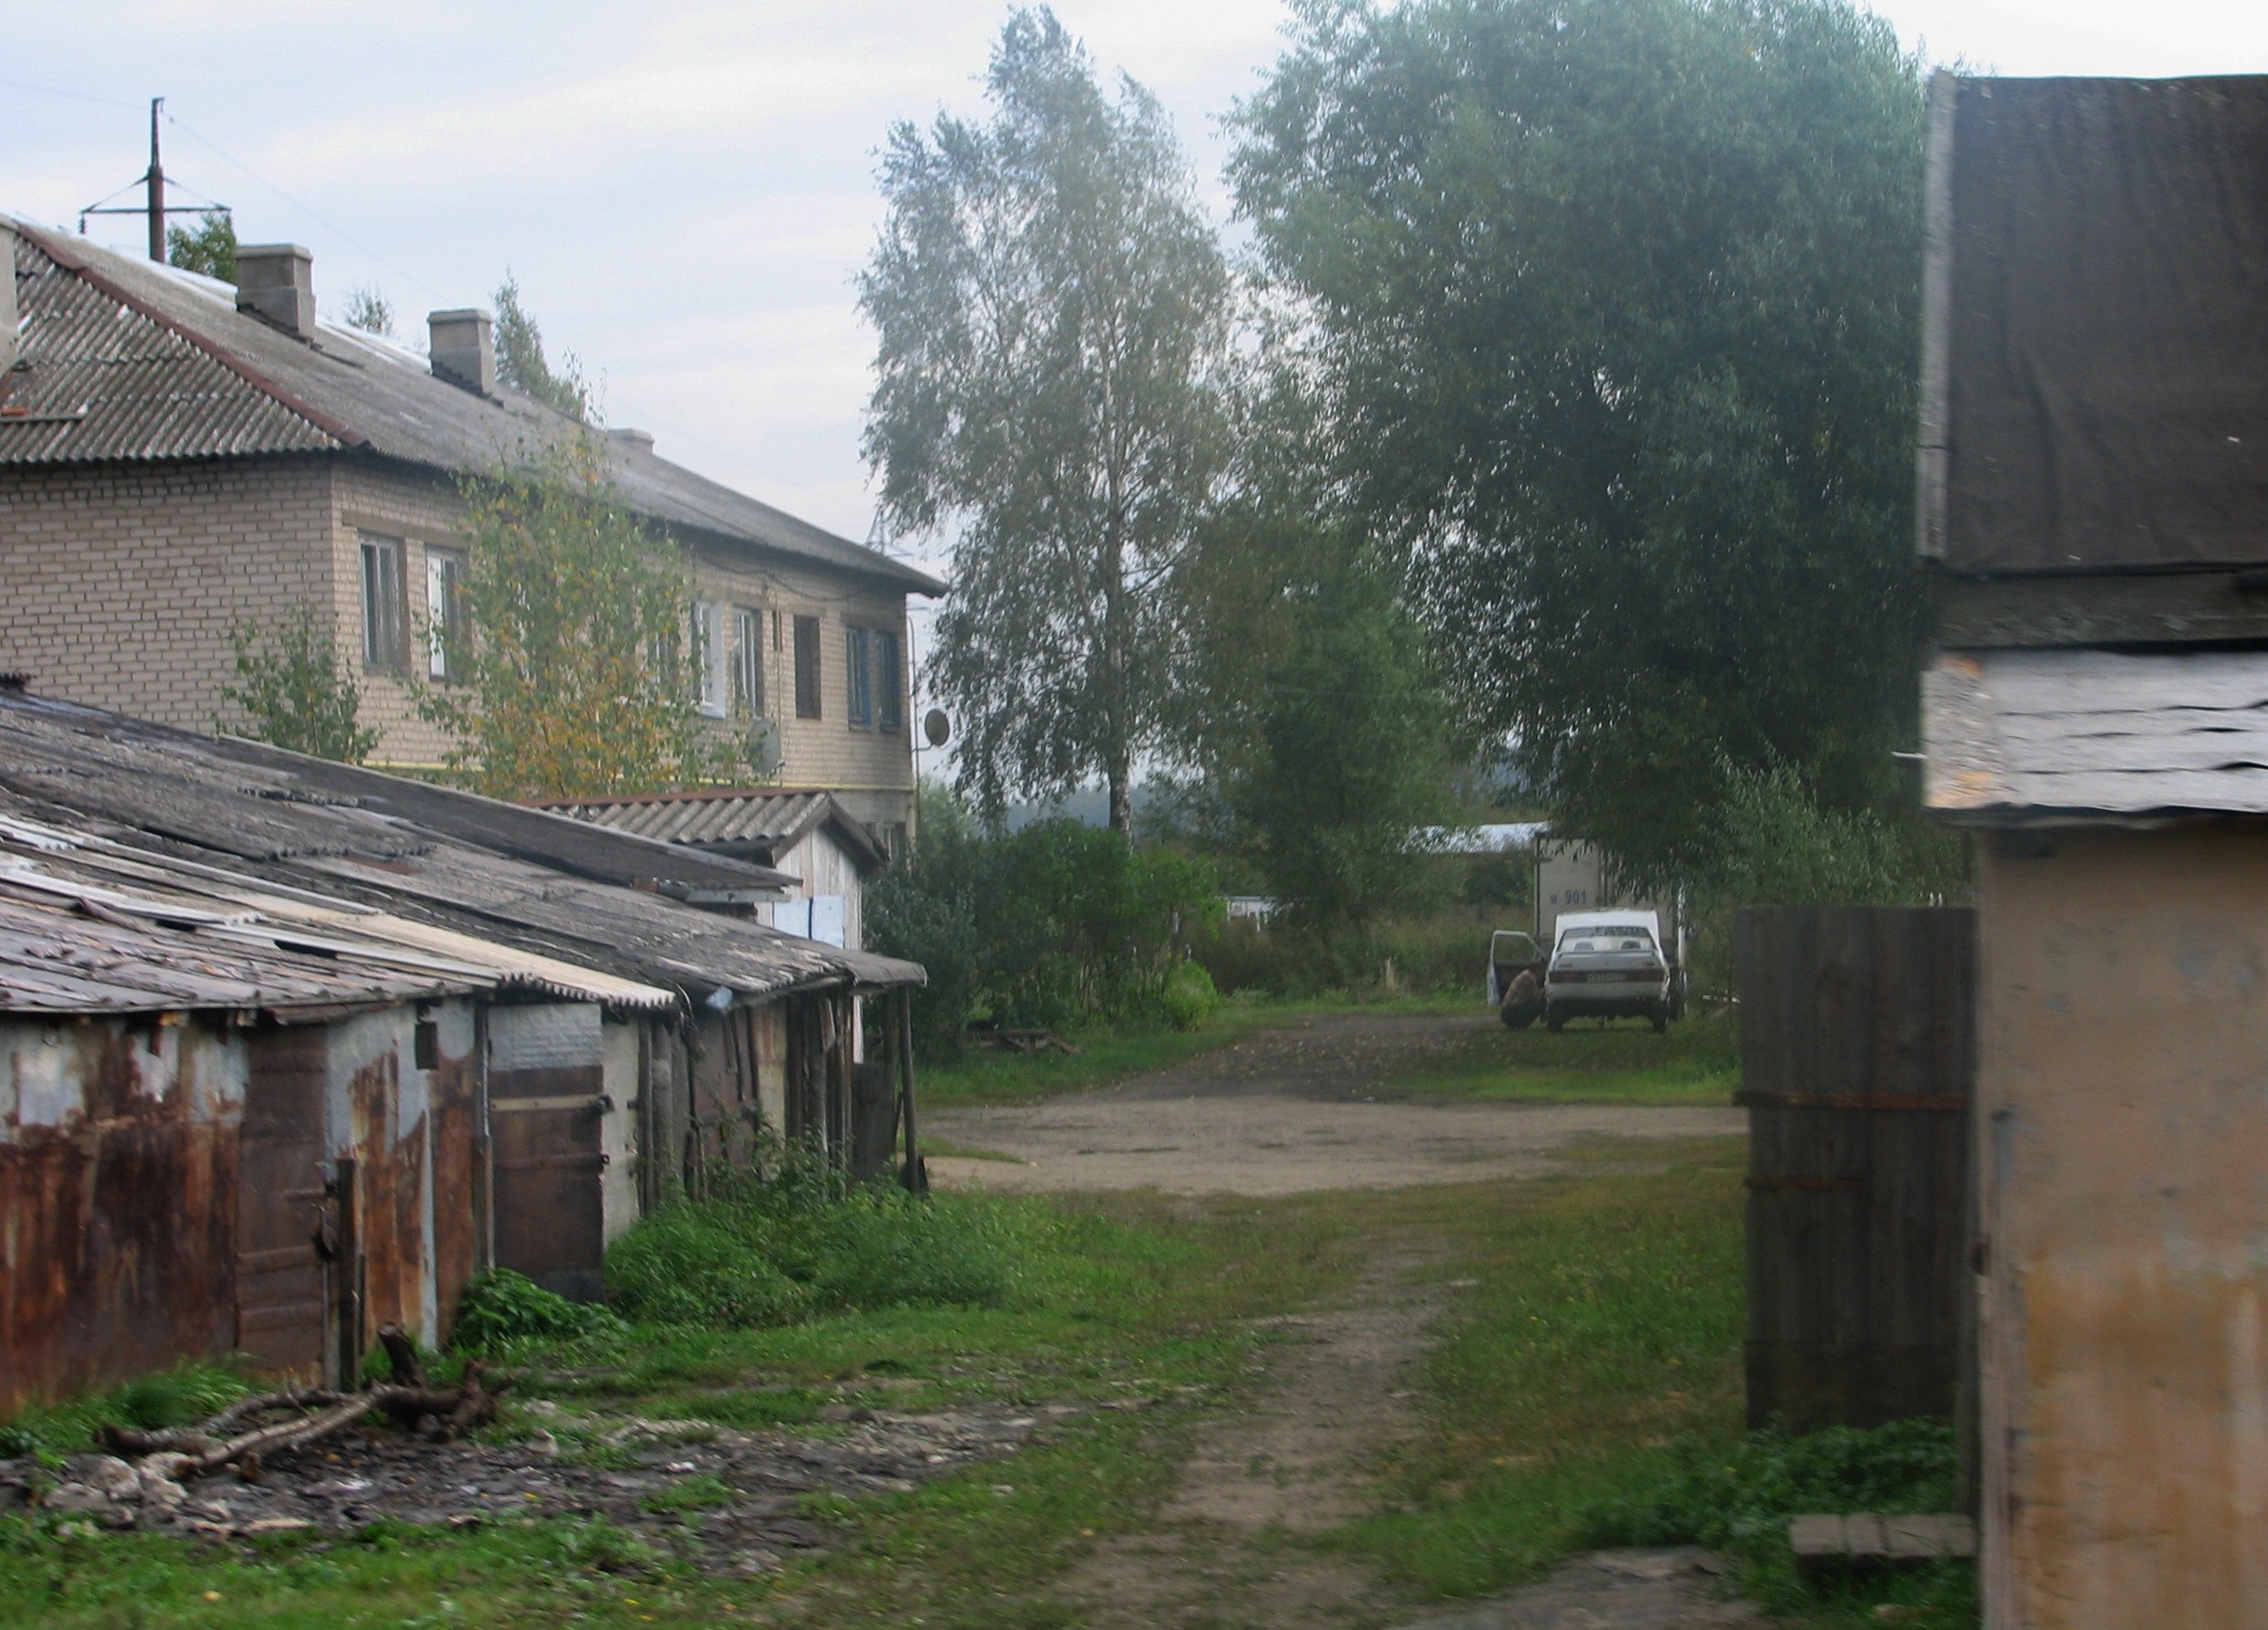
column 627, row 440
column 464, row 349
column 276, row 283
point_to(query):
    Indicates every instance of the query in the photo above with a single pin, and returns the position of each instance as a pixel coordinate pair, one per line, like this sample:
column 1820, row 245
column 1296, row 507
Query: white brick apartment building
column 178, row 458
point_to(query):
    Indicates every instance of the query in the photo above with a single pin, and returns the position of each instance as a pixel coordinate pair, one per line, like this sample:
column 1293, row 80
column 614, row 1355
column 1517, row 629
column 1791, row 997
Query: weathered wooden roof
column 763, row 821
column 123, row 359
column 2023, row 735
column 377, row 840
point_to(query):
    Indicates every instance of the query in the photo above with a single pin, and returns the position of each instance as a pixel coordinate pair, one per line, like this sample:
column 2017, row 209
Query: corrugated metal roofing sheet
column 205, row 380
column 2026, row 733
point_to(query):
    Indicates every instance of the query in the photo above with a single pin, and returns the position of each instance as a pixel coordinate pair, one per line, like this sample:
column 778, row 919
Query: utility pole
column 157, row 187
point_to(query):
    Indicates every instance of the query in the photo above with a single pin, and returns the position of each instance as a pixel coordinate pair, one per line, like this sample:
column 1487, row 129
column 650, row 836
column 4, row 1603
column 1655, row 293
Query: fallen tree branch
column 209, row 1434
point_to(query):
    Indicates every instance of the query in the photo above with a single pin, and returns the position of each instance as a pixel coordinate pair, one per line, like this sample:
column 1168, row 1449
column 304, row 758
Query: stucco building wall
column 2123, row 1170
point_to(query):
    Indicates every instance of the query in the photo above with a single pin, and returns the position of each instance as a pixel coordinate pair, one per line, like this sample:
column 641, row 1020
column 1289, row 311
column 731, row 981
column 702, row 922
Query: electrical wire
column 69, row 96
column 327, row 225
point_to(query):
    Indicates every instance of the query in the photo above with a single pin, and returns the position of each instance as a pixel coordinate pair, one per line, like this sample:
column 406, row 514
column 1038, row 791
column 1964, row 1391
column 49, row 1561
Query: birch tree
column 1053, row 313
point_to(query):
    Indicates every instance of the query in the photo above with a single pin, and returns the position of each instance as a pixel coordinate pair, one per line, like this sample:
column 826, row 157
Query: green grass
column 1698, row 1062
column 1128, row 1298
column 1584, row 1388
column 188, row 1392
column 981, row 1076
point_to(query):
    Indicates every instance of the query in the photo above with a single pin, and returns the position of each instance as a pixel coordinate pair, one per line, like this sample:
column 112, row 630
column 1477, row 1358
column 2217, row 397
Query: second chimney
column 276, row 282
column 464, row 349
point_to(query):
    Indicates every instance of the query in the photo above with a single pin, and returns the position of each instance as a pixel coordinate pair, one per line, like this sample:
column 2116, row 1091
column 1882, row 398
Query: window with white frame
column 447, row 626
column 748, row 659
column 385, row 643
column 710, row 658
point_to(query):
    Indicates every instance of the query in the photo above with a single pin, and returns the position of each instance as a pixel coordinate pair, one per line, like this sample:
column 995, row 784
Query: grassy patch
column 1698, row 1062
column 174, row 1397
column 1122, row 1301
column 982, row 1076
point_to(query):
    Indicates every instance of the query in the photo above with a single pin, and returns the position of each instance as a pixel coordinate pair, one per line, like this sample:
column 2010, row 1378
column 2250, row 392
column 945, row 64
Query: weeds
column 177, row 1397
column 794, row 1242
column 500, row 1307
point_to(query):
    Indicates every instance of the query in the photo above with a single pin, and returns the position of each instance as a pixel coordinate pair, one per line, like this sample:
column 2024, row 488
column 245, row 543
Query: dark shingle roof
column 124, row 359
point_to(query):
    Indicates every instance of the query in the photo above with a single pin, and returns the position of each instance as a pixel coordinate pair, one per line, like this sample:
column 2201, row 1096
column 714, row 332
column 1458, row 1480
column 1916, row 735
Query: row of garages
column 291, row 1049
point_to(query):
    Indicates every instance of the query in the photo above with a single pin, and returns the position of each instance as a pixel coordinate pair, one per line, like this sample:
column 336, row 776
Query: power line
column 340, row 232
column 69, row 96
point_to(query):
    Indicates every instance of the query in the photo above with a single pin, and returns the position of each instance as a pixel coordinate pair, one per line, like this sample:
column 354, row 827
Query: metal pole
column 157, row 188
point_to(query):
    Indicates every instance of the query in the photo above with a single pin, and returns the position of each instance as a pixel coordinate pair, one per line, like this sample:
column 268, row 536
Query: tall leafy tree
column 1615, row 305
column 1053, row 313
column 573, row 672
column 522, row 364
column 209, row 246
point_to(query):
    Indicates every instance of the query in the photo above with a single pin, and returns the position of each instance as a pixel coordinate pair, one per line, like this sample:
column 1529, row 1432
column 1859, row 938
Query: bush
column 697, row 1263
column 1190, row 997
column 769, row 1252
column 1739, row 1499
column 1060, row 924
column 500, row 1307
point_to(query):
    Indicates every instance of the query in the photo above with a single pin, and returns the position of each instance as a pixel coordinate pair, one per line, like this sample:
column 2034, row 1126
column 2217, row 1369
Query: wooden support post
column 916, row 1175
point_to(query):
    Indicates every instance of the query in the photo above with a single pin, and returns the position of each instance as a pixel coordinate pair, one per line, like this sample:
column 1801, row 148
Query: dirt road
column 1292, row 1110
column 1287, row 1111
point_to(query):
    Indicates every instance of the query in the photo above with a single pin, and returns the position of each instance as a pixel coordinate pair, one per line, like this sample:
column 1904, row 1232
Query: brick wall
column 123, row 581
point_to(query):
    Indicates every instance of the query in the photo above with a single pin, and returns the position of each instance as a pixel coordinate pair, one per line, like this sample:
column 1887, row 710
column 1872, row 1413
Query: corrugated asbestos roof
column 2020, row 735
column 69, row 944
column 292, row 823
column 769, row 820
column 125, row 359
column 43, row 858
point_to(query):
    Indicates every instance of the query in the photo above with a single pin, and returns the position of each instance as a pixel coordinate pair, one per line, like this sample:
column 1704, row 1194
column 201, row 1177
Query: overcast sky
column 685, row 189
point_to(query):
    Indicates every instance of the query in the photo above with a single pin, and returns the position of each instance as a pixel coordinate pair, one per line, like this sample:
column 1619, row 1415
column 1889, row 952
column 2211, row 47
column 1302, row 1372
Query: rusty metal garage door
column 280, row 1203
column 547, row 1082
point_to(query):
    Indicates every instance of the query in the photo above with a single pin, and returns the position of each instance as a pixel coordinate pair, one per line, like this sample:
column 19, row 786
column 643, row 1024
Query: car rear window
column 1633, row 938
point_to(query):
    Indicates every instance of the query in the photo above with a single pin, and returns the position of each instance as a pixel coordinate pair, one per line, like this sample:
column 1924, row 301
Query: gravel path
column 1289, row 1110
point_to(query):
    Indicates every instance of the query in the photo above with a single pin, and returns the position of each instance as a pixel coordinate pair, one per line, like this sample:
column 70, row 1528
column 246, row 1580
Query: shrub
column 1729, row 1497
column 1059, row 924
column 697, row 1263
column 1190, row 997
column 758, row 1252
column 500, row 1307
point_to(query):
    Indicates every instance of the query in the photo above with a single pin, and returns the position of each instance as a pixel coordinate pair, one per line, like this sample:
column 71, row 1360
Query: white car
column 1610, row 964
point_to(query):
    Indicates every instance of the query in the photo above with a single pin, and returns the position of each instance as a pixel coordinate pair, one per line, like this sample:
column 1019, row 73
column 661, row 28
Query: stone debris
column 634, row 1474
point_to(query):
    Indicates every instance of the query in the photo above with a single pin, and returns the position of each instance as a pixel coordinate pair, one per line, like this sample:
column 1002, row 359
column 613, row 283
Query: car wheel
column 1553, row 1020
column 1662, row 1021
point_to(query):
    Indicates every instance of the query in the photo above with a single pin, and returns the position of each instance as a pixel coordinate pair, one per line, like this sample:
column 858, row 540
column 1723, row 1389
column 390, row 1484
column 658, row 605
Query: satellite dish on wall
column 937, row 727
column 764, row 746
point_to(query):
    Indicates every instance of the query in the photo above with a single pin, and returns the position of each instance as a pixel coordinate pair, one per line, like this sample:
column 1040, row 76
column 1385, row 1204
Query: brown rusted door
column 546, row 1081
column 279, row 1203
